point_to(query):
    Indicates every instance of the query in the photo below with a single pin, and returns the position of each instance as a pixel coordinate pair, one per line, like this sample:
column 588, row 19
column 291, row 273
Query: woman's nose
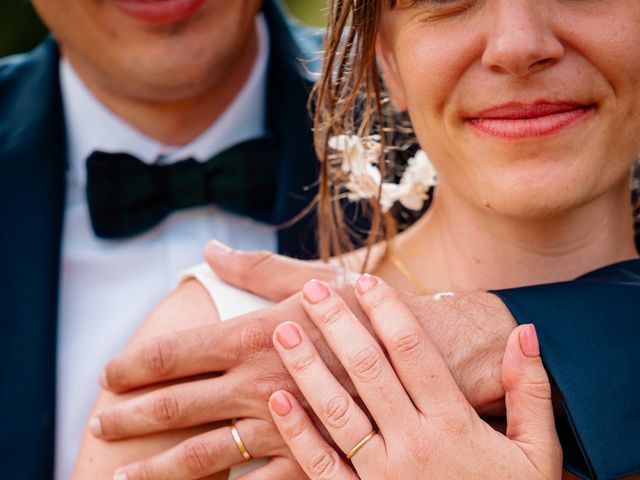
column 520, row 39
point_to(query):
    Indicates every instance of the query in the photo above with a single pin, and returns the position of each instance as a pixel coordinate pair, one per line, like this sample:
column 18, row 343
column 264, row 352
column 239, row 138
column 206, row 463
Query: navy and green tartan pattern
column 127, row 197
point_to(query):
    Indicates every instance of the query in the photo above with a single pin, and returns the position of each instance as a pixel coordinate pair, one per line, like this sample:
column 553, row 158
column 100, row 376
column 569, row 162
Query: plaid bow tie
column 127, row 196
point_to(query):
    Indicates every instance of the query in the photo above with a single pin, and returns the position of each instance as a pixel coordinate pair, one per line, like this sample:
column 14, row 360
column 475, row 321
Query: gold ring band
column 240, row 443
column 360, row 444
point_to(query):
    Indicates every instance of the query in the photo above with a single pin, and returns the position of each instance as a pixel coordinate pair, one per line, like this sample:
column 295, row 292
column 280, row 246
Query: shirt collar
column 92, row 126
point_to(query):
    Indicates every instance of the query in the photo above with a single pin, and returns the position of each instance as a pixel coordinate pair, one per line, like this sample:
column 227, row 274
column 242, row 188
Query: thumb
column 264, row 273
column 530, row 420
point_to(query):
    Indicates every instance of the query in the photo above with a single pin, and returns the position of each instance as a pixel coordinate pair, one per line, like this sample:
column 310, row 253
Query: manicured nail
column 314, row 291
column 120, row 476
column 365, row 283
column 288, row 336
column 95, row 425
column 280, row 404
column 529, row 341
column 104, row 381
column 218, row 248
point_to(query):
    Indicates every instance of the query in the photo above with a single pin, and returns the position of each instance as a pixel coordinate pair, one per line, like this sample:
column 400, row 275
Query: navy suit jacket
column 32, row 190
column 587, row 328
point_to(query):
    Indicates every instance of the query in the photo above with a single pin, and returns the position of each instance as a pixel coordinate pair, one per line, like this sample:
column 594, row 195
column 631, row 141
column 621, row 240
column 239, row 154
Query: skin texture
column 109, row 456
column 538, row 198
column 471, row 328
column 170, row 80
column 507, row 213
column 431, row 427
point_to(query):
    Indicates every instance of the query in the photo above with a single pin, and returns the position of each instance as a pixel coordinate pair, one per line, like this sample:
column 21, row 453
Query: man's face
column 152, row 50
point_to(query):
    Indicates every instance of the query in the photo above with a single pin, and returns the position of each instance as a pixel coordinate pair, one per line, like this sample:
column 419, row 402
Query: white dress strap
column 229, row 300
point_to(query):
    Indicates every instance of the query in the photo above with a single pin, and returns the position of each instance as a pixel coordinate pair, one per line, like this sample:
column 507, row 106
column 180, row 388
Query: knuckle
column 159, row 357
column 367, row 364
column 255, row 337
column 407, row 342
column 377, row 301
column 166, row 409
column 196, row 457
column 302, row 363
column 265, row 439
column 294, row 430
column 146, row 471
column 334, row 314
column 111, row 423
column 113, row 374
column 337, row 411
column 267, row 385
column 538, row 388
column 323, row 464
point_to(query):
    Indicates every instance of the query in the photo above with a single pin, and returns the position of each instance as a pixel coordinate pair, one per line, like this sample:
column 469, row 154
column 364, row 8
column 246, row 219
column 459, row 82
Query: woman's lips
column 159, row 11
column 520, row 121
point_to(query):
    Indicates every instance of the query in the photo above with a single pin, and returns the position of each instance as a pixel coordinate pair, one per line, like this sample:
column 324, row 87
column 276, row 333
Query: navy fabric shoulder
column 32, row 147
column 589, row 333
column 289, row 83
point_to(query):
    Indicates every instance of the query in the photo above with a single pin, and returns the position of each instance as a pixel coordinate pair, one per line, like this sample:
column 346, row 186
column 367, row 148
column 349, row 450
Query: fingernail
column 280, row 404
column 218, row 248
column 288, row 336
column 365, row 283
column 95, row 426
column 104, row 381
column 120, row 476
column 314, row 291
column 529, row 341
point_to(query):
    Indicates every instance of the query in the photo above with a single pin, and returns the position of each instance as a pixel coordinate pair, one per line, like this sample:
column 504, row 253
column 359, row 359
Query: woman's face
column 528, row 107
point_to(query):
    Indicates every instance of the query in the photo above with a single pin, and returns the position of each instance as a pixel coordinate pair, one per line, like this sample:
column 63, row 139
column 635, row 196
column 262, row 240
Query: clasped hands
column 441, row 369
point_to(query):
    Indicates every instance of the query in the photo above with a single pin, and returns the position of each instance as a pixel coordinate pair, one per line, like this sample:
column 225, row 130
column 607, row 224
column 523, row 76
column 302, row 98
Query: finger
column 362, row 357
column 208, row 453
column 316, row 457
column 195, row 351
column 530, row 419
column 342, row 417
column 278, row 468
column 177, row 406
column 416, row 360
column 264, row 273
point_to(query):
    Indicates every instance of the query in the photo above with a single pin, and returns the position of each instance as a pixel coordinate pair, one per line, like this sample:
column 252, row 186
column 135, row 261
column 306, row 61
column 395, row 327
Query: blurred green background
column 20, row 29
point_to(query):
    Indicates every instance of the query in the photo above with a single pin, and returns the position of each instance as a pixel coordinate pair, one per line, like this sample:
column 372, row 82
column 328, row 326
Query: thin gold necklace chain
column 406, row 273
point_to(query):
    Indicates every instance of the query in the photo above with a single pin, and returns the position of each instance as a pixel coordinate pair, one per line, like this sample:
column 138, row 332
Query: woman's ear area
column 390, row 74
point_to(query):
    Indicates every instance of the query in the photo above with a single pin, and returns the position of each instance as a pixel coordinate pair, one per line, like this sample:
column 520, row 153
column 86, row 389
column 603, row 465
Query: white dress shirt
column 109, row 286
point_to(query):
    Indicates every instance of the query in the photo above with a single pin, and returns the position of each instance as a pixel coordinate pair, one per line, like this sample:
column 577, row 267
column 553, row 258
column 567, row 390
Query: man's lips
column 518, row 121
column 159, row 11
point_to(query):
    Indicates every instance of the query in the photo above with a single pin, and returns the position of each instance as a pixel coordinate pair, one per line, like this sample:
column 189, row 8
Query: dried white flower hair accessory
column 360, row 157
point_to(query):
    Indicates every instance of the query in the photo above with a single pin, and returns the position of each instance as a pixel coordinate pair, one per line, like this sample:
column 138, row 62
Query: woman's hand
column 425, row 426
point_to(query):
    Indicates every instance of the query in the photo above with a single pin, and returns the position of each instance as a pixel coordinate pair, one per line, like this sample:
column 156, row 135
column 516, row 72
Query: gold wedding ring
column 240, row 443
column 360, row 444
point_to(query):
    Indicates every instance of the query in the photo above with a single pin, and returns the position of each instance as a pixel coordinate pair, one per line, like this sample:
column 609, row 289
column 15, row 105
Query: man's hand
column 469, row 329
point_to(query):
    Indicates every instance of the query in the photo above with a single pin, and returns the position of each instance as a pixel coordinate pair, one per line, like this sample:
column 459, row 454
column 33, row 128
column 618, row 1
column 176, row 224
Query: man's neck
column 176, row 121
column 457, row 247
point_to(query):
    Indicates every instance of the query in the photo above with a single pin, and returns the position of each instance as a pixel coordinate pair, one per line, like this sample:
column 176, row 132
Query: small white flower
column 360, row 156
column 416, row 181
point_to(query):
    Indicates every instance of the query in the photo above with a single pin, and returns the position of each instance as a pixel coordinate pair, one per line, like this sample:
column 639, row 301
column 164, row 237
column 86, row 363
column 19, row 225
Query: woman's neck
column 458, row 246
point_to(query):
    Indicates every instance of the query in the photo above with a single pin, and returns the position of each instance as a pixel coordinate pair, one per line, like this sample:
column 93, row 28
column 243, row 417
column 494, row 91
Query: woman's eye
column 436, row 3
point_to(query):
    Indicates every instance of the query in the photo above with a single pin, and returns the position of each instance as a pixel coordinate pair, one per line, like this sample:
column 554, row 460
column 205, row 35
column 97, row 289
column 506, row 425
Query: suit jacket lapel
column 288, row 88
column 32, row 152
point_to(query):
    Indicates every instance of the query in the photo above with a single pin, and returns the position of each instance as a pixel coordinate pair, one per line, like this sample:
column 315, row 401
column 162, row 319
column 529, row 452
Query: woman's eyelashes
column 439, row 8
